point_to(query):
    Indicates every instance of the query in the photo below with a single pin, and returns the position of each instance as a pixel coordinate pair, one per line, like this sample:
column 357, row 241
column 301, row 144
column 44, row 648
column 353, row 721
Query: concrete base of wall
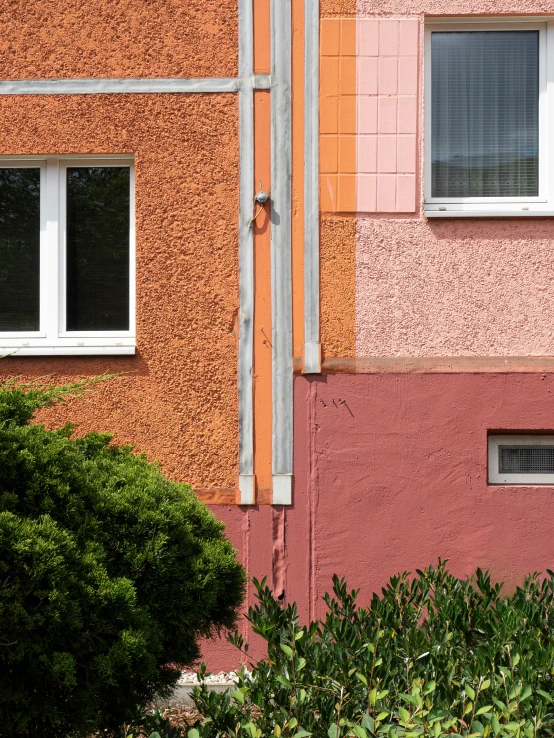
column 182, row 695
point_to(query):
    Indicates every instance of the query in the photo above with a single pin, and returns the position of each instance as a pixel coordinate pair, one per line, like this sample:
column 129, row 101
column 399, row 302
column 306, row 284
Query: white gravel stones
column 224, row 677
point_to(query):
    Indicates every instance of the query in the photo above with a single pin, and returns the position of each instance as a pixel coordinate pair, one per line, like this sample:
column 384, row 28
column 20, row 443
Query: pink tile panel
column 387, row 114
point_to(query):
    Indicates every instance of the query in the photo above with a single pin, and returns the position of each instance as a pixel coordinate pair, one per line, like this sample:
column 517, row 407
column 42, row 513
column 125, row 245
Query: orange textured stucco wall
column 179, row 402
column 128, row 38
column 331, row 8
column 338, row 285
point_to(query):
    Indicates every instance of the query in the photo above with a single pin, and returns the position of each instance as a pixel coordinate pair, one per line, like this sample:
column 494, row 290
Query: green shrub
column 431, row 656
column 109, row 575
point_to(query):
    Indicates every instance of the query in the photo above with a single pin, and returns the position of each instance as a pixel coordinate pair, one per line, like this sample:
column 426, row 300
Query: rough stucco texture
column 128, row 38
column 406, row 457
column 454, row 288
column 454, row 7
column 338, row 285
column 330, row 8
column 178, row 401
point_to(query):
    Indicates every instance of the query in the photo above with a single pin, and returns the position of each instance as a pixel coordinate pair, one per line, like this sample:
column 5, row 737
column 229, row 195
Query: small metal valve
column 261, row 197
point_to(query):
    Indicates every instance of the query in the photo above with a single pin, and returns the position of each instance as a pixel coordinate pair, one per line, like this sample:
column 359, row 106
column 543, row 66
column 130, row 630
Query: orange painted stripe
column 298, row 176
column 262, row 37
column 262, row 371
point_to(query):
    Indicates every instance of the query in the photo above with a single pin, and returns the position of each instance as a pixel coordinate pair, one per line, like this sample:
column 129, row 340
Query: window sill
column 489, row 213
column 66, row 351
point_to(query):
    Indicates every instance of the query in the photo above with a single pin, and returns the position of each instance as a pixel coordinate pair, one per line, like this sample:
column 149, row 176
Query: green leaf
column 293, row 722
column 437, row 715
column 512, row 727
column 529, row 729
column 300, row 663
column 516, row 659
column 284, row 681
column 359, row 731
column 526, row 693
column 333, row 731
column 429, row 687
column 362, row 678
column 193, row 733
column 495, row 725
column 286, row 649
column 478, row 727
column 302, row 734
column 277, row 731
column 468, row 708
column 368, row 723
column 486, row 684
column 373, row 696
column 546, row 696
column 238, row 695
column 298, row 637
column 155, row 734
column 483, row 710
column 404, row 714
column 409, row 698
column 382, row 715
column 470, row 691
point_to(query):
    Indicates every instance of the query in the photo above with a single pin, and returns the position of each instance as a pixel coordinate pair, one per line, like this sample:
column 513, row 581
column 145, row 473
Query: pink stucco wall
column 454, row 288
column 431, row 288
column 390, row 474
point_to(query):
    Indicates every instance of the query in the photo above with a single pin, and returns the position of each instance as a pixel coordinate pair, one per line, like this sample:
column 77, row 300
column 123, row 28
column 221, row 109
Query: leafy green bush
column 431, row 656
column 109, row 574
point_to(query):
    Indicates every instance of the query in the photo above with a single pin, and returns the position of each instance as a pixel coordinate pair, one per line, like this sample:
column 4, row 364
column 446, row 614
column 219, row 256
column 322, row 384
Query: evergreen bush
column 431, row 656
column 109, row 575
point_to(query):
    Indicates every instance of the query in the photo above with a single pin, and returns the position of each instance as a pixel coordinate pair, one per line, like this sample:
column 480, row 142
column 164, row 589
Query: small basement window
column 67, row 255
column 521, row 459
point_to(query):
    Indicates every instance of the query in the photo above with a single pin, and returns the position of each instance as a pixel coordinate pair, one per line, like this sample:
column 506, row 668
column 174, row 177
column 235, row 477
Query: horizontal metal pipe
column 130, row 85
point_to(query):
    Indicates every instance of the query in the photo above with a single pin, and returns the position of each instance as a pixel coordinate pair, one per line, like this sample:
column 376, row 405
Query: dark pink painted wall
column 390, row 474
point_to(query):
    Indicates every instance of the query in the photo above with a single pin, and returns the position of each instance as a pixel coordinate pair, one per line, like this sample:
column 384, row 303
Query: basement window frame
column 52, row 339
column 505, row 479
column 536, row 206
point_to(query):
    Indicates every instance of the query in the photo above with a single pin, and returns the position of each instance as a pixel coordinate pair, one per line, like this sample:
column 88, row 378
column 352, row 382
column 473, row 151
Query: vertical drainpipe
column 246, row 253
column 312, row 345
column 281, row 266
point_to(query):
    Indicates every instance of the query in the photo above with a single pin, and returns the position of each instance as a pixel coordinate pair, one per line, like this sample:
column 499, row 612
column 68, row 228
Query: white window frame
column 529, row 480
column 52, row 338
column 543, row 204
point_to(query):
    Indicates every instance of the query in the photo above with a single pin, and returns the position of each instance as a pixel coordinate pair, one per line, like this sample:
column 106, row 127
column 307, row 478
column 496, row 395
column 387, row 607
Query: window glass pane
column 19, row 249
column 98, row 248
column 485, row 114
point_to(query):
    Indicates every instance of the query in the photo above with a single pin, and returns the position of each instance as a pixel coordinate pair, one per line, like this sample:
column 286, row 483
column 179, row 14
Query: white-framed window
column 521, row 459
column 489, row 115
column 67, row 255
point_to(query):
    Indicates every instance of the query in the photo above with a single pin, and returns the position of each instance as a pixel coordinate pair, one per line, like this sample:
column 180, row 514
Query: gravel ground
column 224, row 677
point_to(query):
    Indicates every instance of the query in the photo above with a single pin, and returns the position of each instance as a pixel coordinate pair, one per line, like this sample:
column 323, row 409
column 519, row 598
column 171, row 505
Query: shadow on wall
column 493, row 229
column 31, row 367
